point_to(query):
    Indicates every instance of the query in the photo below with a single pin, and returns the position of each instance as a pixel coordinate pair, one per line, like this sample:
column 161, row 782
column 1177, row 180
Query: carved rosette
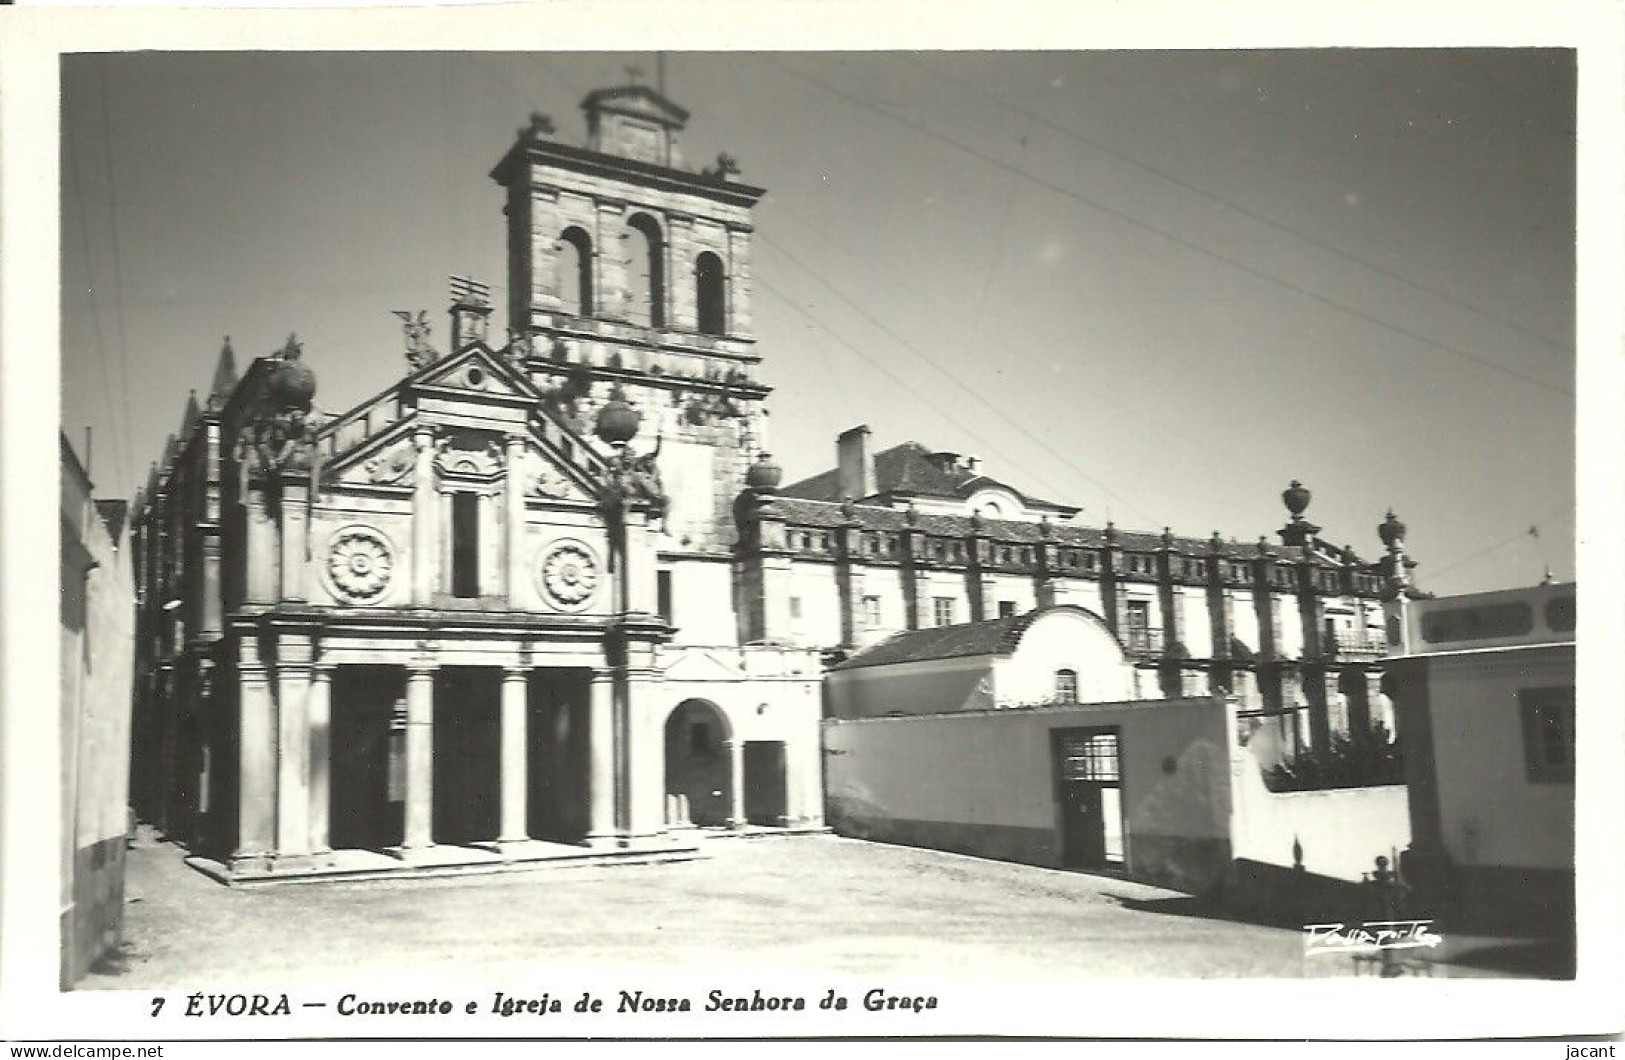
column 360, row 561
column 568, row 575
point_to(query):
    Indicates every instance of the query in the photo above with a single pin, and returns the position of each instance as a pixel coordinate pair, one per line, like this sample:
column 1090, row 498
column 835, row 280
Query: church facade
column 547, row 589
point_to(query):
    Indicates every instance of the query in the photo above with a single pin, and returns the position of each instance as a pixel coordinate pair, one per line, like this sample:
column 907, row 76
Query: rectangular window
column 795, row 607
column 663, row 593
column 1007, row 608
column 942, row 610
column 465, row 544
column 1548, row 734
column 871, row 612
column 699, row 739
column 1138, row 615
column 1089, row 755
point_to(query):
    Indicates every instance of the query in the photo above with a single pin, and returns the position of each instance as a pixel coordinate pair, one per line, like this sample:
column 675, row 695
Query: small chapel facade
column 547, row 589
column 443, row 617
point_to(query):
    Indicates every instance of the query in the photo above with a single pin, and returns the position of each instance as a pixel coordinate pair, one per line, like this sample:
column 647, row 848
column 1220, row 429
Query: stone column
column 515, row 760
column 425, row 518
column 736, row 783
column 293, row 667
column 601, row 760
column 419, row 756
column 321, row 717
column 514, row 526
column 256, row 756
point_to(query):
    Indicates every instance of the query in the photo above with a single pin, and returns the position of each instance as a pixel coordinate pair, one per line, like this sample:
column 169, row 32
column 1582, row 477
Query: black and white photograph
column 673, row 536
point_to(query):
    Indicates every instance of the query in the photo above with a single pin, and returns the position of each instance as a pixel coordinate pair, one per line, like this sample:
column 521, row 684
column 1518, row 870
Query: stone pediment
column 701, row 664
column 475, row 369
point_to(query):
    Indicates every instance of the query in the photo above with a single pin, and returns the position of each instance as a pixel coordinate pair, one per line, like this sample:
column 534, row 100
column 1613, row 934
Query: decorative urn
column 1391, row 530
column 1296, row 498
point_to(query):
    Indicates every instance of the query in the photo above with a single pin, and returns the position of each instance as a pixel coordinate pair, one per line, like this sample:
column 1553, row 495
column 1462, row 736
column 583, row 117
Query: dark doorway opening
column 697, row 765
column 559, row 752
column 366, row 793
column 467, row 753
column 766, row 797
column 1088, row 778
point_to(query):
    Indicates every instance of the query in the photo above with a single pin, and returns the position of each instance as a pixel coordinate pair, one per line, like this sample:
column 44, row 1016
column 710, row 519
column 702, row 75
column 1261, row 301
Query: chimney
column 855, row 468
column 470, row 311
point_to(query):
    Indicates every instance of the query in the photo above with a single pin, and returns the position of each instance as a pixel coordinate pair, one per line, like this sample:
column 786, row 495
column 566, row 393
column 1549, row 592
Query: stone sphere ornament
column 569, row 575
column 764, row 475
column 617, row 421
column 360, row 563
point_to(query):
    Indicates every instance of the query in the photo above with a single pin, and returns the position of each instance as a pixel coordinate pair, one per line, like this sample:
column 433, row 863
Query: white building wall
column 1016, row 588
column 1290, row 646
column 948, row 584
column 1244, row 620
column 887, row 584
column 702, row 602
column 1064, row 640
column 815, row 586
column 1196, row 623
column 1490, row 812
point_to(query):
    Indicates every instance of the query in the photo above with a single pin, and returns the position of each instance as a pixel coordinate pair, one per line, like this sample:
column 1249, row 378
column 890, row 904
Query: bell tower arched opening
column 575, row 272
column 710, row 294
column 646, row 271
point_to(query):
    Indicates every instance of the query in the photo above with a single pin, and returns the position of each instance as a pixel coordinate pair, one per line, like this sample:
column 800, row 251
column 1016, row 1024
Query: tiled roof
column 943, row 642
column 913, row 469
column 820, row 513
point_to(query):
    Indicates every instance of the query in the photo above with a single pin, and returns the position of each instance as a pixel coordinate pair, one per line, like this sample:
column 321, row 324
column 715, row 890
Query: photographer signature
column 1369, row 936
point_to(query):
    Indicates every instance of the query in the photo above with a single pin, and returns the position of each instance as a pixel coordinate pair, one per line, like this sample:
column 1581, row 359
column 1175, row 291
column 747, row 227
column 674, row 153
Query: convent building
column 545, row 591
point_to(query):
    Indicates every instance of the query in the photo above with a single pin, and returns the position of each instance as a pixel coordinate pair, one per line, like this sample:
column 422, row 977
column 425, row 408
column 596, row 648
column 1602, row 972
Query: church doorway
column 559, row 750
column 368, row 725
column 467, row 754
column 766, row 790
column 698, row 740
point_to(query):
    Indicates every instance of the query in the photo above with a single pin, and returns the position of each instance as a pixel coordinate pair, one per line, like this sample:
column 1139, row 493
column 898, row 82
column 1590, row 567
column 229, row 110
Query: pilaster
column 321, row 735
column 514, row 523
column 293, row 668
column 256, row 755
column 295, row 501
column 425, row 517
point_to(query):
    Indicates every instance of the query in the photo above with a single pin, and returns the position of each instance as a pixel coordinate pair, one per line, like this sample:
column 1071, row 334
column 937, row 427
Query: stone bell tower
column 628, row 269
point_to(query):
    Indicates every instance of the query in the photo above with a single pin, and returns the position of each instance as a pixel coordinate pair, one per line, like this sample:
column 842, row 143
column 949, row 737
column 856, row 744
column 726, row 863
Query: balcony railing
column 1143, row 643
column 1343, row 645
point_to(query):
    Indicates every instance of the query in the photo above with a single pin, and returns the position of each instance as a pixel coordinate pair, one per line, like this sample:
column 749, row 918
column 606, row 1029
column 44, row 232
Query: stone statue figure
column 416, row 329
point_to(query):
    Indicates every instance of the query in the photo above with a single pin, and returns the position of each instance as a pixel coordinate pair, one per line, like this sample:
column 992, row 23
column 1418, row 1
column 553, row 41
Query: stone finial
column 540, row 125
column 726, row 169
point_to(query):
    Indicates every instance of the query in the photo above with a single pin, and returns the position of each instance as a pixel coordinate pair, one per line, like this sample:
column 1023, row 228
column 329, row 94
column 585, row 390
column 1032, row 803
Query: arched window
column 1066, row 686
column 646, row 271
column 709, row 295
column 575, row 272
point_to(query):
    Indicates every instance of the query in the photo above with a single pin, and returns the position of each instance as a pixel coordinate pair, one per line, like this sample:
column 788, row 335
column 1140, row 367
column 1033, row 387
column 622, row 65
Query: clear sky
column 1159, row 285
